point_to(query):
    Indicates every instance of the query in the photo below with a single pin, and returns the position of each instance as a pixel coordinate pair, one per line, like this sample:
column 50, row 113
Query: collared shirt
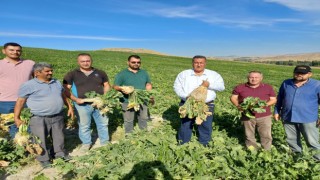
column 12, row 76
column 263, row 92
column 188, row 80
column 82, row 83
column 298, row 104
column 43, row 99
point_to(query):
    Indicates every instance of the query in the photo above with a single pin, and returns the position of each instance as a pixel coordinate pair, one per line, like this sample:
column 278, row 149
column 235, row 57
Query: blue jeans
column 204, row 129
column 310, row 133
column 84, row 113
column 7, row 107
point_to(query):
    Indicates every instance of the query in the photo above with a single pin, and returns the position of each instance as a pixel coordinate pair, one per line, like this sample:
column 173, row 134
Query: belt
column 210, row 102
column 49, row 116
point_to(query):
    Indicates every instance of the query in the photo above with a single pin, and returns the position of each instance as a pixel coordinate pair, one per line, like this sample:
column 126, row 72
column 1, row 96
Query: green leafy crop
column 252, row 105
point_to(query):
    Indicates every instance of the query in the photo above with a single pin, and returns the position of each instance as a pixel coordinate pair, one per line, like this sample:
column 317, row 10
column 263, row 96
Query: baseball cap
column 303, row 69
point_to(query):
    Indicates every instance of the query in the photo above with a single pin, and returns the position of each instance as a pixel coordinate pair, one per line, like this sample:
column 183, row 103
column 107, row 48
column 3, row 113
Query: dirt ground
column 33, row 169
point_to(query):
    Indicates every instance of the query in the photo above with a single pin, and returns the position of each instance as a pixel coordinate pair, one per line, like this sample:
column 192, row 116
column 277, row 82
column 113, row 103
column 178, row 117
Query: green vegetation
column 292, row 63
column 155, row 154
column 251, row 105
column 104, row 102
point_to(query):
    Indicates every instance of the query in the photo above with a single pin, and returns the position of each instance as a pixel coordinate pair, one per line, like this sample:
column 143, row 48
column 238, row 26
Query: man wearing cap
column 297, row 105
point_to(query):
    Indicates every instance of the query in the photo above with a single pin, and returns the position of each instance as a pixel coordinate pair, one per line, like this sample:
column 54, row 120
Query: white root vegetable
column 105, row 103
column 96, row 102
column 195, row 106
column 21, row 139
column 127, row 89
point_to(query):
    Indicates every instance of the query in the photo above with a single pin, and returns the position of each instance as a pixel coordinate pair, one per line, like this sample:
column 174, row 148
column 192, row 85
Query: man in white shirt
column 185, row 83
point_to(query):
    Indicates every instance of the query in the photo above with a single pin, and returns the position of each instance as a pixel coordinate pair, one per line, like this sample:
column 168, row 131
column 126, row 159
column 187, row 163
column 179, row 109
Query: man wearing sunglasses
column 139, row 79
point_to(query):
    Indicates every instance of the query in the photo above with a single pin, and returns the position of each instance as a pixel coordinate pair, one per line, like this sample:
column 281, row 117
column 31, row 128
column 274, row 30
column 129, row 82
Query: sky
column 173, row 27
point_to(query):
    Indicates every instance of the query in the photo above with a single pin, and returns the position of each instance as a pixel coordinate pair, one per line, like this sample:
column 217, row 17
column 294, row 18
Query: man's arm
column 148, row 86
column 278, row 105
column 117, row 83
column 69, row 94
column 235, row 101
column 216, row 82
column 272, row 101
column 67, row 103
column 106, row 87
column 17, row 110
column 178, row 86
column 118, row 88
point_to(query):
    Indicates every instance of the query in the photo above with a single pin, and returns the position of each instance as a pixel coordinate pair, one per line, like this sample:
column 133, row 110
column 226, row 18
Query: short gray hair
column 40, row 66
column 255, row 71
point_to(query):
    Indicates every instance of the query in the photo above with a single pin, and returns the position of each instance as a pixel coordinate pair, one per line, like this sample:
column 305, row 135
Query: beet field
column 154, row 154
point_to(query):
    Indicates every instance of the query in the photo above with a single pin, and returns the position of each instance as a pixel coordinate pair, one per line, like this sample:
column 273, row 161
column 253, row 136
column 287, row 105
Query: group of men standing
column 26, row 83
column 29, row 84
column 86, row 79
column 296, row 105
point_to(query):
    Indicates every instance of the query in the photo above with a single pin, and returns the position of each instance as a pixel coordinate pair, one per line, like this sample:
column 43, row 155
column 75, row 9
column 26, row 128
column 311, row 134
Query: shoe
column 100, row 145
column 64, row 158
column 85, row 148
column 45, row 164
column 316, row 158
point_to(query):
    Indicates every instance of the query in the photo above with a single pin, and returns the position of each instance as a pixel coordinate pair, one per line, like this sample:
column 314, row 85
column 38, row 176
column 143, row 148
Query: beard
column 134, row 67
column 300, row 79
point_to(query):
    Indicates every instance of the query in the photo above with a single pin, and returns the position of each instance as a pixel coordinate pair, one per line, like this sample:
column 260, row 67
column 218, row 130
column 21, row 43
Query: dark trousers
column 44, row 126
column 128, row 117
column 204, row 130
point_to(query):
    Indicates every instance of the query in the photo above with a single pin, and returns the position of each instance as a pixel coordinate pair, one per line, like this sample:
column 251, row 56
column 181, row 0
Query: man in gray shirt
column 45, row 98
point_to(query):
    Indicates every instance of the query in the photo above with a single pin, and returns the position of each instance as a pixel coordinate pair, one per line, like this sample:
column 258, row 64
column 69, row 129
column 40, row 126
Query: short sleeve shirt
column 128, row 78
column 12, row 76
column 263, row 92
column 82, row 83
column 43, row 99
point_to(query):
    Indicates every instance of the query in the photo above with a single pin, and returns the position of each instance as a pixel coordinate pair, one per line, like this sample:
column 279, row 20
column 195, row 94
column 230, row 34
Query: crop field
column 155, row 154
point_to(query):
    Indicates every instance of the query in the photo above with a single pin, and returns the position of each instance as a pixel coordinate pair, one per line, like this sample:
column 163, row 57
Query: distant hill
column 287, row 57
column 140, row 50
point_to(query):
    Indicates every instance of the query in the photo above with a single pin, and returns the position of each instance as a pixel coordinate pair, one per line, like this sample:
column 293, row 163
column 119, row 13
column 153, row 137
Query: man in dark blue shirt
column 297, row 105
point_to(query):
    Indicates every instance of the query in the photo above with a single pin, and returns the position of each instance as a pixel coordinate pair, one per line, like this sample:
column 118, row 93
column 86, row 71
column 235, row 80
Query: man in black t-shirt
column 80, row 81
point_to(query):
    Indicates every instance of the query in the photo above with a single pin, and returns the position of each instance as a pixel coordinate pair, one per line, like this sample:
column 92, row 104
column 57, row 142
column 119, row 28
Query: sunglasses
column 135, row 62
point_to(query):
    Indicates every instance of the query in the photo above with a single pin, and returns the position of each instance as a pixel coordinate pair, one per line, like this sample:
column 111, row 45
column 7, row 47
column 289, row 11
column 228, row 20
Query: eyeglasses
column 200, row 63
column 135, row 62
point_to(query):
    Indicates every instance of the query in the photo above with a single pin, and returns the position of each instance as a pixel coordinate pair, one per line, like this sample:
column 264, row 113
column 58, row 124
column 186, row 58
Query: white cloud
column 249, row 22
column 212, row 18
column 33, row 35
column 300, row 5
column 178, row 12
column 203, row 13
